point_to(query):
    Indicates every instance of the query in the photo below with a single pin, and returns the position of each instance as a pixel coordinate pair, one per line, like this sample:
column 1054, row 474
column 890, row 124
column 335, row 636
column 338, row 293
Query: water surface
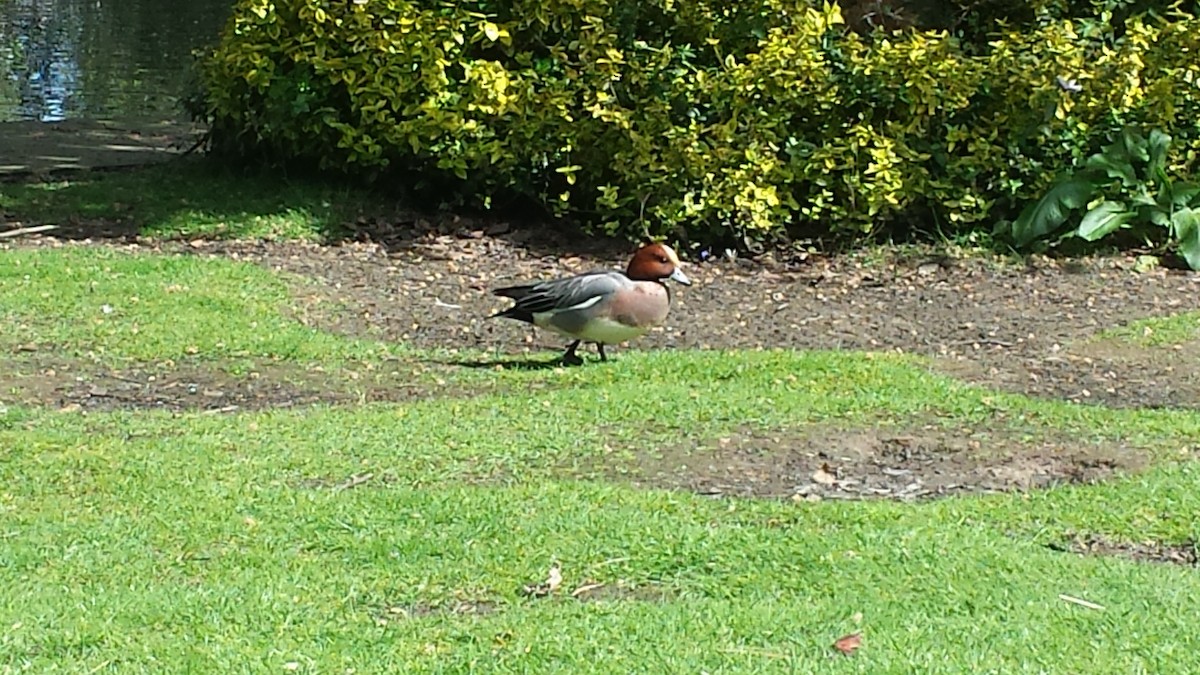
column 101, row 59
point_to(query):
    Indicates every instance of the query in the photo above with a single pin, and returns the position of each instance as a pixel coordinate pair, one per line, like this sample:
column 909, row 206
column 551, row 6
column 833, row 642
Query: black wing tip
column 516, row 311
column 514, row 292
column 513, row 313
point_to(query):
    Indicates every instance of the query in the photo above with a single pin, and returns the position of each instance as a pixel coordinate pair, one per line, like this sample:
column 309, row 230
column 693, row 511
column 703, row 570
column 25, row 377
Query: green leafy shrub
column 721, row 119
column 1124, row 187
column 975, row 21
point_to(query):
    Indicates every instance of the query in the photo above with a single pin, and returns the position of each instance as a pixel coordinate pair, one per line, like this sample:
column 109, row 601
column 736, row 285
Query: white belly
column 605, row 331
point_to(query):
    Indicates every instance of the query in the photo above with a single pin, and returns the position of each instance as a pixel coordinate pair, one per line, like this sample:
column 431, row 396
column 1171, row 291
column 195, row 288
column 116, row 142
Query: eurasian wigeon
column 603, row 307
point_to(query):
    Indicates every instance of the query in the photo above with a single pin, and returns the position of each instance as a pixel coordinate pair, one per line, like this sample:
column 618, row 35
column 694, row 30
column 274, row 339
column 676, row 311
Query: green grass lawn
column 122, row 306
column 193, row 198
column 399, row 537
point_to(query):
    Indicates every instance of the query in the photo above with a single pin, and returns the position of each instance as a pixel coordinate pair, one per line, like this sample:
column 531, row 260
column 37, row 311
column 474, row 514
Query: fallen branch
column 196, row 146
column 127, row 379
column 586, row 588
column 26, row 230
column 1080, row 602
column 218, row 411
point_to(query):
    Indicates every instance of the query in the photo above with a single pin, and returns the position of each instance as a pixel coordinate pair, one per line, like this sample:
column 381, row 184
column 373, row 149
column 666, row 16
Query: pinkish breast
column 645, row 304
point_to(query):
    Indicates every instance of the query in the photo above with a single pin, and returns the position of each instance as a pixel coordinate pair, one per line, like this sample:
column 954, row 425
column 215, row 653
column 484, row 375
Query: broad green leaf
column 1104, row 219
column 1159, row 177
column 1050, row 212
column 1134, row 145
column 1183, row 194
column 1113, row 165
column 1117, row 150
column 1186, row 223
column 1157, row 147
column 1155, row 215
column 1142, row 198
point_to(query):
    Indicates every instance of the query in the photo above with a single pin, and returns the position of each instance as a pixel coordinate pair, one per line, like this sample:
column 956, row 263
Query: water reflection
column 100, row 59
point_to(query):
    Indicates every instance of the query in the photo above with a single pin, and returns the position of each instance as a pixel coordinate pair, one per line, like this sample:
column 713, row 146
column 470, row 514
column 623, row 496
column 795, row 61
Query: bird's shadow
column 506, row 364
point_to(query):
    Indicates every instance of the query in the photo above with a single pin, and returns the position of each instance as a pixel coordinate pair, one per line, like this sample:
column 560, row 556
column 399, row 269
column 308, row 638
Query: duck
column 603, row 307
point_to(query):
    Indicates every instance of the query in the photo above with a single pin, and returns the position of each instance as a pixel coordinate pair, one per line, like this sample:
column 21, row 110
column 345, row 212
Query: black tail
column 514, row 312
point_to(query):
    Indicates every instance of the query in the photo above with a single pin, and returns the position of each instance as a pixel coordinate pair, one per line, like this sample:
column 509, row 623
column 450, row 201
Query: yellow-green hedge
column 718, row 118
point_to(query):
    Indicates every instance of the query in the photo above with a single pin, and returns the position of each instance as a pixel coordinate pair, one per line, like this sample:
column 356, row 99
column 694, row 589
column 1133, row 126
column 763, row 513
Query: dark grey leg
column 600, row 348
column 570, row 357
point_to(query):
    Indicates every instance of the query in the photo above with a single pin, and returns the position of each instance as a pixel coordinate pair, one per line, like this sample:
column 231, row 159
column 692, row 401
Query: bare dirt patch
column 587, row 591
column 347, row 483
column 620, row 592
column 397, row 613
column 1185, row 554
column 1014, row 327
column 211, row 386
column 827, row 463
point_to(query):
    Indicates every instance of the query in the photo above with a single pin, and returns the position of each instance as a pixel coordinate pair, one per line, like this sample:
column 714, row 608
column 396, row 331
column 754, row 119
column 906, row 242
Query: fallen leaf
column 553, row 580
column 848, row 644
column 824, row 476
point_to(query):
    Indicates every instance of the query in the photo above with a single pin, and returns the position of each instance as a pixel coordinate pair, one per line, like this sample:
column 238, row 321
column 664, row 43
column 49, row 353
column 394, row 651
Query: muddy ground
column 830, row 462
column 1025, row 327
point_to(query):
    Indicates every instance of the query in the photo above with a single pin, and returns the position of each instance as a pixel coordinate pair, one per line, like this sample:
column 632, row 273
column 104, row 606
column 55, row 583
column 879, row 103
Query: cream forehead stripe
column 671, row 254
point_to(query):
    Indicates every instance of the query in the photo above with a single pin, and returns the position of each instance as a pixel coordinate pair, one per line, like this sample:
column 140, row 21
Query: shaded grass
column 149, row 542
column 192, row 198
